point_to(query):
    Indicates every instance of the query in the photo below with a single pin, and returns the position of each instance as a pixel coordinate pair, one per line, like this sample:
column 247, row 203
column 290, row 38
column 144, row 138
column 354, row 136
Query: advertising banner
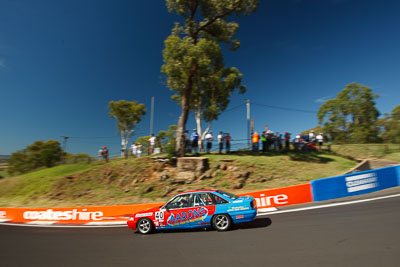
column 281, row 197
column 77, row 215
column 354, row 184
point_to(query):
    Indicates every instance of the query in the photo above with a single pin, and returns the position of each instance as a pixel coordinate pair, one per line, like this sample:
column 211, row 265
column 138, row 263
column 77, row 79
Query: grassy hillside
column 364, row 151
column 138, row 180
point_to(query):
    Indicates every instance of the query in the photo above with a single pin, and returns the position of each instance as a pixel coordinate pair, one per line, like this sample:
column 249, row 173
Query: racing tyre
column 145, row 226
column 222, row 222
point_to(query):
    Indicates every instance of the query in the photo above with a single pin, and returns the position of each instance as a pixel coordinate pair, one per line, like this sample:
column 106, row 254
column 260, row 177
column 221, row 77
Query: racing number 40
column 159, row 215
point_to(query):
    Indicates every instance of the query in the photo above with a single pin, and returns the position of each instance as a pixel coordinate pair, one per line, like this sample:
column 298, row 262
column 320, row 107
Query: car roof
column 195, row 191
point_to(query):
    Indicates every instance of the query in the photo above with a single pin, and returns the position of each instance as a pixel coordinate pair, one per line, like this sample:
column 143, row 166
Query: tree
column 391, row 126
column 128, row 114
column 166, row 138
column 214, row 98
column 316, row 130
column 192, row 52
column 351, row 117
column 37, row 155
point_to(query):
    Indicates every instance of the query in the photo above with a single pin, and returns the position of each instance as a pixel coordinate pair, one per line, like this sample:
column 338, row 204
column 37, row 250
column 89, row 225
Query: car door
column 203, row 209
column 176, row 211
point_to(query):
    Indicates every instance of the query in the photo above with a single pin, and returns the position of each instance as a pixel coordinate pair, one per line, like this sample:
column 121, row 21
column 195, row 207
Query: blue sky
column 61, row 62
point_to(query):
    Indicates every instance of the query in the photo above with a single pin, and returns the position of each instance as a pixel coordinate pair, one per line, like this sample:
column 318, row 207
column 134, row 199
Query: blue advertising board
column 355, row 183
column 398, row 174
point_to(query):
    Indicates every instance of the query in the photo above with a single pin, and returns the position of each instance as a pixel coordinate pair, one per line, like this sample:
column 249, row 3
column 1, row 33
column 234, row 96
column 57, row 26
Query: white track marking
column 329, row 205
column 266, row 209
column 42, row 222
column 107, row 223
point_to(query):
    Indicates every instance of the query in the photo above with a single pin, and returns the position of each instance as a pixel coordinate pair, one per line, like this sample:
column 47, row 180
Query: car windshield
column 228, row 195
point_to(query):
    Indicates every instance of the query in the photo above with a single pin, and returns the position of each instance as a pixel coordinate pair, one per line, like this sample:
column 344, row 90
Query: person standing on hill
column 320, row 140
column 209, row 139
column 255, row 140
column 152, row 141
column 139, row 149
column 104, row 153
column 287, row 140
column 134, row 149
column 228, row 140
column 264, row 141
column 220, row 142
column 195, row 141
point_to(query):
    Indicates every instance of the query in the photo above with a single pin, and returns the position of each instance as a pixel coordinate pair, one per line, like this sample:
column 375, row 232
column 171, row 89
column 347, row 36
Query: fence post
column 89, row 160
column 386, row 149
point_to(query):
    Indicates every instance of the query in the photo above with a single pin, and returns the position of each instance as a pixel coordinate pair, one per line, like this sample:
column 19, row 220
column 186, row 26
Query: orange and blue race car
column 193, row 209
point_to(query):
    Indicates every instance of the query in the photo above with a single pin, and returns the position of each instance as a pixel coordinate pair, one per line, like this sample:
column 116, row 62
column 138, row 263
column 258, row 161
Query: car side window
column 218, row 200
column 206, row 198
column 198, row 201
column 181, row 202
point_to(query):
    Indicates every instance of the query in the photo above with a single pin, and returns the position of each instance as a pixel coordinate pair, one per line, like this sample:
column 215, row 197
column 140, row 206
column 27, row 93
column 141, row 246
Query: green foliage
column 166, row 140
column 143, row 140
column 39, row 154
column 390, row 126
column 351, row 117
column 193, row 60
column 128, row 114
column 316, row 130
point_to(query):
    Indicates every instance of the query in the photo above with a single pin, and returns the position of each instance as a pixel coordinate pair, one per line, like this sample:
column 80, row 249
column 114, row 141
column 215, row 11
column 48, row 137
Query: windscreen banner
column 267, row 199
column 354, row 184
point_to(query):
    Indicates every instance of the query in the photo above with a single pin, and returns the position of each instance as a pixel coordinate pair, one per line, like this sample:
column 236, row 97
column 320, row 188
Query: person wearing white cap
column 320, row 140
column 209, row 139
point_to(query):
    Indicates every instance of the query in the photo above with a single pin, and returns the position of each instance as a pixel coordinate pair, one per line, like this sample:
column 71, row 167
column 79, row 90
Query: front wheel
column 145, row 226
column 222, row 222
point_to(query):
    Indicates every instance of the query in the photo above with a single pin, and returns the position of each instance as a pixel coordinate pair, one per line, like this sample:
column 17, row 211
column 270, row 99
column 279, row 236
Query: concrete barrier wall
column 355, row 183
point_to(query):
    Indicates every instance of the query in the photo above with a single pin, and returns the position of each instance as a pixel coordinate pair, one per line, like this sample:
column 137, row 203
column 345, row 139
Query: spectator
column 270, row 136
column 320, row 140
column 209, row 139
column 311, row 137
column 264, row 141
column 296, row 142
column 133, row 149
column 195, row 141
column 152, row 141
column 255, row 140
column 279, row 141
column 275, row 138
column 139, row 149
column 287, row 141
column 228, row 140
column 104, row 154
column 220, row 141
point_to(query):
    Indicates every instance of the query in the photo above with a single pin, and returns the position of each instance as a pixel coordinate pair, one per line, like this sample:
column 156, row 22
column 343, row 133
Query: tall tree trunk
column 197, row 116
column 180, row 130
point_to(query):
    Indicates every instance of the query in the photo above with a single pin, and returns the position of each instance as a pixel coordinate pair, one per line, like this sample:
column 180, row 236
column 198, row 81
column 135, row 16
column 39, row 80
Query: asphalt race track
column 363, row 234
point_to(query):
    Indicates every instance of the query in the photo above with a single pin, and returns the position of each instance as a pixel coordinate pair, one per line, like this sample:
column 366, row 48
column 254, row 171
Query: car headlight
column 131, row 219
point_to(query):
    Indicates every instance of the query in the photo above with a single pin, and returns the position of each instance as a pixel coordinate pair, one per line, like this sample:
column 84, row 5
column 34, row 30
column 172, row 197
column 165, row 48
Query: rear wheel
column 222, row 222
column 145, row 226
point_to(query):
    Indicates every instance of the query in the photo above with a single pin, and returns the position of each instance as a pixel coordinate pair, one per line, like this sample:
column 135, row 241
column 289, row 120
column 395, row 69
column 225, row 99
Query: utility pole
column 64, row 148
column 248, row 122
column 152, row 115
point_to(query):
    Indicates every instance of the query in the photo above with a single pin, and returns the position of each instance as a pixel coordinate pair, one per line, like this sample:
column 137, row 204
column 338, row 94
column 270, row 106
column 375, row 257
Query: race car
column 193, row 209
